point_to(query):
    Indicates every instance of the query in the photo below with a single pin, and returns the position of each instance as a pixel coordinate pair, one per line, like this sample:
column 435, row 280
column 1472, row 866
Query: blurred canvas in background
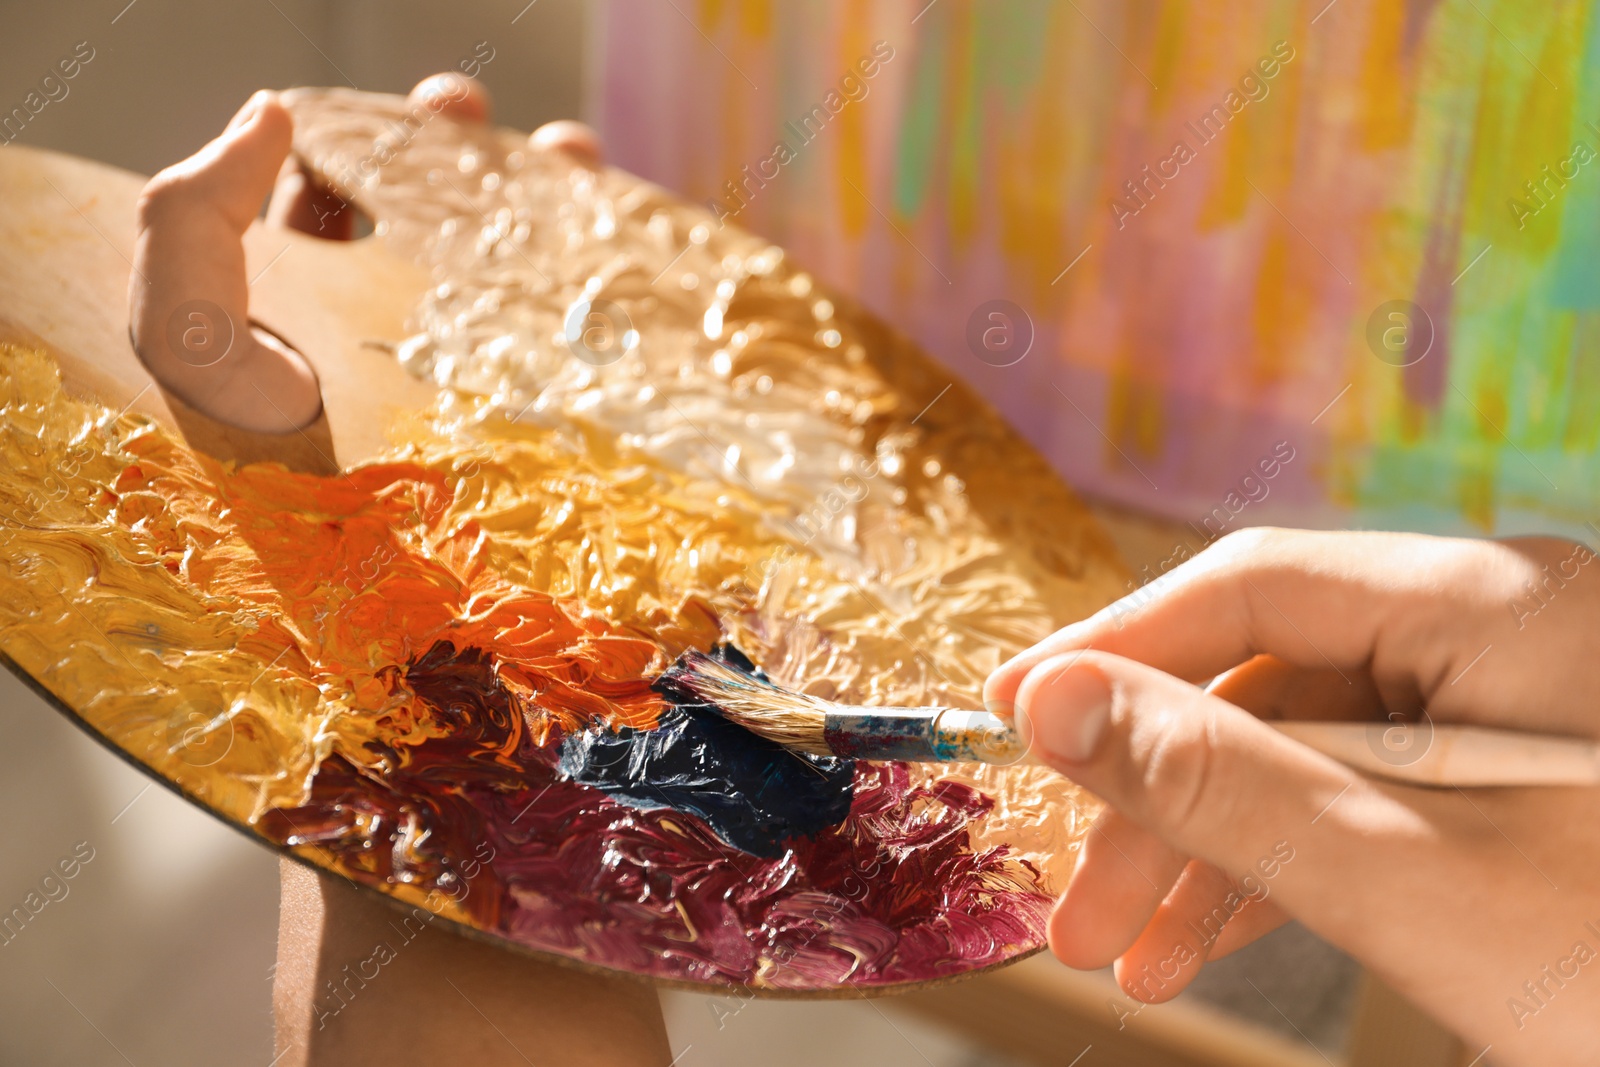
column 1360, row 231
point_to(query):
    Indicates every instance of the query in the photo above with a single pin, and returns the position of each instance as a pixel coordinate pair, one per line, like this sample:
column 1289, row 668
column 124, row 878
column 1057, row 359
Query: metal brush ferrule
column 921, row 735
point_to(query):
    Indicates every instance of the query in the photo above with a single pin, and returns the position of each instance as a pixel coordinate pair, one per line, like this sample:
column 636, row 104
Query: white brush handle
column 1451, row 755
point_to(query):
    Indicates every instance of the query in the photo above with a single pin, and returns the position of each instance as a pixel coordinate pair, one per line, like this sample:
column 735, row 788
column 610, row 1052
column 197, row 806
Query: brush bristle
column 794, row 720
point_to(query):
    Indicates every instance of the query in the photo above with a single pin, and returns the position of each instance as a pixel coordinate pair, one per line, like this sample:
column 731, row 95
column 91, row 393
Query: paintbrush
column 1421, row 754
column 807, row 723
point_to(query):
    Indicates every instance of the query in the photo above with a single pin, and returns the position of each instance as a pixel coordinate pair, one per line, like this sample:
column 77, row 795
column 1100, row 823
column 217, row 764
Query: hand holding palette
column 609, row 432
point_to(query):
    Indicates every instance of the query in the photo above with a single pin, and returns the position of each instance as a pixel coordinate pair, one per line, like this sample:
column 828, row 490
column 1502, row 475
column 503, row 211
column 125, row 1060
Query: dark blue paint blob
column 755, row 794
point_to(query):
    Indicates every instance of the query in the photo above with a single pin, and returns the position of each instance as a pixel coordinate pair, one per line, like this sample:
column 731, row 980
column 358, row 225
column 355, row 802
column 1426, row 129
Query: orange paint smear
column 379, row 547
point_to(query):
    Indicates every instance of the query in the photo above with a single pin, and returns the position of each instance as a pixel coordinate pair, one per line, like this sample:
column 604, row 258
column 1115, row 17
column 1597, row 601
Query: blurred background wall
column 160, row 953
column 168, row 74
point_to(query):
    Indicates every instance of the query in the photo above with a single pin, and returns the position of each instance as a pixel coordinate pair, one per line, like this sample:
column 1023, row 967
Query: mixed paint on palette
column 437, row 671
column 1365, row 230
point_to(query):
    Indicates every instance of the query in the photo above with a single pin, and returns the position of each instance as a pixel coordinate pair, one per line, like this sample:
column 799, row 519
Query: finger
column 1220, row 608
column 1269, row 688
column 1206, row 916
column 574, row 138
column 1257, row 920
column 231, row 174
column 1177, row 941
column 1122, row 875
column 1315, row 600
column 1211, row 780
column 456, row 95
column 188, row 294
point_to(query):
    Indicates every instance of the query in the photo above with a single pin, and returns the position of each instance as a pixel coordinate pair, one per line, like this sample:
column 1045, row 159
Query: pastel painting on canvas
column 1225, row 224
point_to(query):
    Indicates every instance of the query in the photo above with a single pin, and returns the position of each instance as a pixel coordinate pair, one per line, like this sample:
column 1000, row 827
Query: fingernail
column 1064, row 716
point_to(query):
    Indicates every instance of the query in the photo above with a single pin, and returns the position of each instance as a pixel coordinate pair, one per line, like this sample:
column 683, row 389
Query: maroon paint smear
column 894, row 894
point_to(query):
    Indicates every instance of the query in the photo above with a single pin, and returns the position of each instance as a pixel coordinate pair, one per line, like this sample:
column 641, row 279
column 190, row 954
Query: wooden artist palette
column 428, row 669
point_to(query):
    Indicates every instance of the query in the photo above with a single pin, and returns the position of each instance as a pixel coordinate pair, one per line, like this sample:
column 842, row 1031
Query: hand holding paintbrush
column 1456, row 897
